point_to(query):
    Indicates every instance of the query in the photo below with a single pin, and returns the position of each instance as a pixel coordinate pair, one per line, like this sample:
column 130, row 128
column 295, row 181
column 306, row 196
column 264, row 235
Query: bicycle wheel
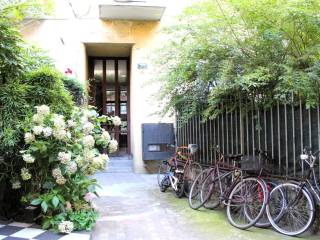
column 163, row 169
column 194, row 197
column 190, row 174
column 246, row 203
column 210, row 191
column 180, row 186
column 264, row 222
column 296, row 207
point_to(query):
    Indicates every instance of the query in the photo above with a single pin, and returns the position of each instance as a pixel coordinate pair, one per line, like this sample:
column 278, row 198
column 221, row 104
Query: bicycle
column 245, row 197
column 179, row 171
column 291, row 210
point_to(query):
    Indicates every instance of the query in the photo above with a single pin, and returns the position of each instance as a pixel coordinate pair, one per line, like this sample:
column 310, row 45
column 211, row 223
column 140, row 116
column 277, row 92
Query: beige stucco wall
column 65, row 36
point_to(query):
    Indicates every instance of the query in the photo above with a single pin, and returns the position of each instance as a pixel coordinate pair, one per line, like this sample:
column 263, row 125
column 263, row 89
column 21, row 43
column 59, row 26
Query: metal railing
column 282, row 130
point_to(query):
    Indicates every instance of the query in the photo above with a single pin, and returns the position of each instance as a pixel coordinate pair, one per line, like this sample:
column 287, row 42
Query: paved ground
column 133, row 208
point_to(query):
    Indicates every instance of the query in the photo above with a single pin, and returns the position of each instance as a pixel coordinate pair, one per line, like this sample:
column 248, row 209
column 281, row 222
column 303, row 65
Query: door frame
column 117, row 100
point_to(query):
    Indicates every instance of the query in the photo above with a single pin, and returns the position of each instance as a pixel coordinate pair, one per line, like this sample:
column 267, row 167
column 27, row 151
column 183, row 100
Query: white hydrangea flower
column 61, row 180
column 37, row 130
column 71, row 123
column 28, row 158
column 56, row 172
column 98, row 162
column 47, row 131
column 84, row 120
column 113, row 146
column 60, row 134
column 105, row 136
column 43, row 110
column 29, row 137
column 88, row 141
column 72, row 167
column 116, row 121
column 58, row 121
column 64, row 157
column 16, row 184
column 88, row 155
column 65, row 227
column 88, row 127
column 90, row 113
column 25, row 175
column 36, row 118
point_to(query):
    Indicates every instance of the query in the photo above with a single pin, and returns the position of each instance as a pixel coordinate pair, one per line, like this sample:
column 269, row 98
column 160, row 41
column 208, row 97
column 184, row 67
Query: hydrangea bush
column 59, row 157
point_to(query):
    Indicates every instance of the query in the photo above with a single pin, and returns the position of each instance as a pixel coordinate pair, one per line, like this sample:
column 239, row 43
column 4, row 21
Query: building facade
column 110, row 44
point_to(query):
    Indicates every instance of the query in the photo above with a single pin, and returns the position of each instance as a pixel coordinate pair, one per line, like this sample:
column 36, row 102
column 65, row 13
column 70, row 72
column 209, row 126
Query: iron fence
column 282, row 130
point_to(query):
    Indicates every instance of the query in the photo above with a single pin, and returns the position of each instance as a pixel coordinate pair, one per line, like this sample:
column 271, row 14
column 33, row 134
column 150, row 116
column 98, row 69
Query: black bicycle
column 291, row 209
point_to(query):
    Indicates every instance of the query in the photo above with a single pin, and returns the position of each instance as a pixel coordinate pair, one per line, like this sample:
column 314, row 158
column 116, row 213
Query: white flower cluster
column 29, row 137
column 65, row 227
column 64, row 157
column 43, row 110
column 72, row 167
column 47, row 131
column 113, row 146
column 105, row 136
column 88, row 141
column 88, row 127
column 25, row 175
column 37, row 130
column 100, row 161
column 28, row 158
column 16, row 184
column 71, row 123
column 116, row 121
column 57, row 175
column 58, row 121
column 60, row 134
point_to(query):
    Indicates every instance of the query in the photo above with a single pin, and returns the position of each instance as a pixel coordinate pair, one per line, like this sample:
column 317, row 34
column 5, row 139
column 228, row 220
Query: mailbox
column 156, row 139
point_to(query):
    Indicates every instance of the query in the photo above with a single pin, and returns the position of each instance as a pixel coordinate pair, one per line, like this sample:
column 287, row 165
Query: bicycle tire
column 210, row 192
column 194, row 197
column 264, row 222
column 245, row 200
column 286, row 222
column 190, row 174
column 162, row 171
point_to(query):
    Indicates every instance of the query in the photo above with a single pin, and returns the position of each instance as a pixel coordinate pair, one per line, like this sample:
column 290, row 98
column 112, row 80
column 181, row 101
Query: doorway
column 110, row 93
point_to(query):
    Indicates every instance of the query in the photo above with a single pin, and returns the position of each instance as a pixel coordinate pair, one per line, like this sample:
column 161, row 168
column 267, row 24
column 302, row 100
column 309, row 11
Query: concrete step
column 119, row 164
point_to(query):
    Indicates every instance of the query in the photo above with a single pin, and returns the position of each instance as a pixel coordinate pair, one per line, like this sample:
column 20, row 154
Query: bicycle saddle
column 193, row 148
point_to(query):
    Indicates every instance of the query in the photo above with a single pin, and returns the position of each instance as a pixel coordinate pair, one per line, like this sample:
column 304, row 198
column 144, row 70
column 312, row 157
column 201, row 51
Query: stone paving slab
column 133, row 208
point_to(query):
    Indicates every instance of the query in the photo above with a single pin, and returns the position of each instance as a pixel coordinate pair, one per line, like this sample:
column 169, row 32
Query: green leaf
column 44, row 206
column 46, row 224
column 55, row 201
column 36, row 201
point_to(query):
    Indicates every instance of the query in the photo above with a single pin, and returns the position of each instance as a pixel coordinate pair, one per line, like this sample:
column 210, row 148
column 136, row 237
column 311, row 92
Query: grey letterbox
column 155, row 140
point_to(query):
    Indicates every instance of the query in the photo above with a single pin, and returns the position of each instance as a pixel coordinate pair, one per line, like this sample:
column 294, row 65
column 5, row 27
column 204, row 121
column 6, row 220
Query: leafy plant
column 76, row 89
column 226, row 53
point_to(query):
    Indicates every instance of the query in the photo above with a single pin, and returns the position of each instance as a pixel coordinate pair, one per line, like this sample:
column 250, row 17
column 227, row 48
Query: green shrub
column 76, row 89
column 46, row 87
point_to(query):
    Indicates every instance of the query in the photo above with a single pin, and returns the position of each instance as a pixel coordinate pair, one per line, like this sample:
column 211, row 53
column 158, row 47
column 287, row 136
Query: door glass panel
column 122, row 71
column 123, row 108
column 111, row 95
column 124, row 128
column 111, row 108
column 97, row 72
column 98, row 97
column 123, row 95
column 110, row 72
